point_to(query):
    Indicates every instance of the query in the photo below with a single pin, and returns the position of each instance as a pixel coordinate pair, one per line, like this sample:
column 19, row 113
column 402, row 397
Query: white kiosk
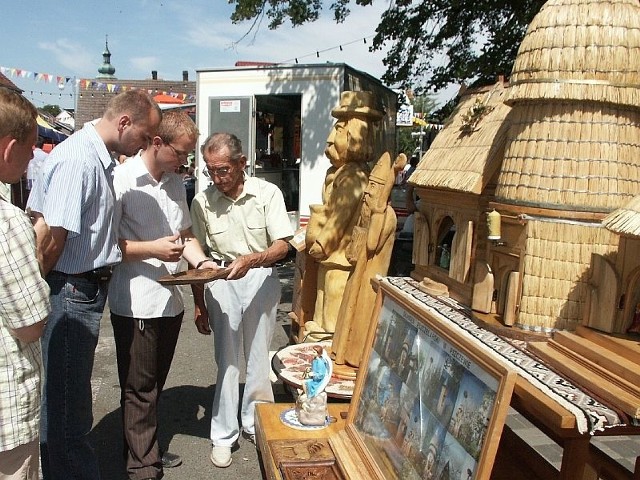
column 282, row 115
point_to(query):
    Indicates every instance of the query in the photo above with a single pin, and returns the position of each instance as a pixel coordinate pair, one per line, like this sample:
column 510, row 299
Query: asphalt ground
column 185, row 406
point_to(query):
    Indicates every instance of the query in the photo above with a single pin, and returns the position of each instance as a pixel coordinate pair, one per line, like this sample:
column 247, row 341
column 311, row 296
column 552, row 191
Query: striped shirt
column 24, row 301
column 251, row 223
column 146, row 210
column 74, row 190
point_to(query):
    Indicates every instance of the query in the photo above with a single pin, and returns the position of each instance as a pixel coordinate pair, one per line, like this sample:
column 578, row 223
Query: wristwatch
column 203, row 261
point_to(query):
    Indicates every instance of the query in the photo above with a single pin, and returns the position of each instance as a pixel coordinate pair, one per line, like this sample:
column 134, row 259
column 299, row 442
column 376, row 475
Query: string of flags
column 318, row 52
column 83, row 83
column 111, row 87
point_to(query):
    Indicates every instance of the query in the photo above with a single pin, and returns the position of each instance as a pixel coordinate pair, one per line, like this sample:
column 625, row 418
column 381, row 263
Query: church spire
column 107, row 70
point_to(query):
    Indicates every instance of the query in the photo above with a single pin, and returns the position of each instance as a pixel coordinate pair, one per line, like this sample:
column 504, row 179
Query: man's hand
column 166, row 248
column 239, row 267
column 43, row 238
column 202, row 320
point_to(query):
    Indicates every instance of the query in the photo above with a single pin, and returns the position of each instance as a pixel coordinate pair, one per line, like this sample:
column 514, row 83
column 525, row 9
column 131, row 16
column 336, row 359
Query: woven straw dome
column 574, row 139
column 581, row 50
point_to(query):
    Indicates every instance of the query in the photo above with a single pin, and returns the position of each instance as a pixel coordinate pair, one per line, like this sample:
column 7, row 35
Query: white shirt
column 146, row 210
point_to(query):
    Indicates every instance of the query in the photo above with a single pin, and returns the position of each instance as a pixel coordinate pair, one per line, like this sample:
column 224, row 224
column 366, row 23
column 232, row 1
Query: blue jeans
column 68, row 347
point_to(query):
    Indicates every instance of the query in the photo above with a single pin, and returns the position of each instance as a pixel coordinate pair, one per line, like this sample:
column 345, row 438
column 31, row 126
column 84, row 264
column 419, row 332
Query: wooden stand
column 280, row 444
column 338, row 450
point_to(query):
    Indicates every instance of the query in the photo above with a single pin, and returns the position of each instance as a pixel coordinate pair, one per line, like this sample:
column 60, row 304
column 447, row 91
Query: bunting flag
column 84, row 83
column 37, row 76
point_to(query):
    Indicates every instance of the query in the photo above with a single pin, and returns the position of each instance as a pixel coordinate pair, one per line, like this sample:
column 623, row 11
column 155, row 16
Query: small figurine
column 311, row 405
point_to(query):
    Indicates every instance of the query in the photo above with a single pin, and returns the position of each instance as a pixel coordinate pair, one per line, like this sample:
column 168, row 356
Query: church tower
column 107, row 70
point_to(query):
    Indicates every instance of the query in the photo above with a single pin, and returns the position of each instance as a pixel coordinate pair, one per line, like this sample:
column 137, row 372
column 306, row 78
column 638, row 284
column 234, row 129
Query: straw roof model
column 625, row 220
column 574, row 140
column 571, row 156
column 468, row 150
column 557, row 259
column 580, row 50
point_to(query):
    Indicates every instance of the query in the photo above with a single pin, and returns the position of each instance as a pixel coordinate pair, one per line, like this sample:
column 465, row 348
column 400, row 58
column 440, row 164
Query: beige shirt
column 229, row 228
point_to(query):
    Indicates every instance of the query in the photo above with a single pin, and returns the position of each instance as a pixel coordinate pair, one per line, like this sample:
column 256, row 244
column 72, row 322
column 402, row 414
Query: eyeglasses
column 179, row 153
column 216, row 172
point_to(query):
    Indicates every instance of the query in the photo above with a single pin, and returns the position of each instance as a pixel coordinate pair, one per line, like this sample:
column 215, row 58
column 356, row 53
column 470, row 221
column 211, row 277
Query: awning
column 47, row 131
column 164, row 98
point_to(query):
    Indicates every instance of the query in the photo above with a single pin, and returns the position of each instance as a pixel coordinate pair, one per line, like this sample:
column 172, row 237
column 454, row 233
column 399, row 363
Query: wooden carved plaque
column 305, row 459
column 194, row 276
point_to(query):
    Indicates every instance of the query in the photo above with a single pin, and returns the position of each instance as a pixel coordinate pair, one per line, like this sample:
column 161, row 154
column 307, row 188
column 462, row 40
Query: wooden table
column 269, row 427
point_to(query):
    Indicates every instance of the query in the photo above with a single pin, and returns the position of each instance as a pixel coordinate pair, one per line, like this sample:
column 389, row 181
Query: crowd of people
column 94, row 231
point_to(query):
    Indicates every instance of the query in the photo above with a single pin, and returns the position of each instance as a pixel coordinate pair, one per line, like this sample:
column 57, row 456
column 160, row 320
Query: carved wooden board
column 305, row 458
column 194, row 276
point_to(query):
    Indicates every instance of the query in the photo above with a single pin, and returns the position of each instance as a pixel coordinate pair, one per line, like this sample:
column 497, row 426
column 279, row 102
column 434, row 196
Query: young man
column 24, row 300
column 153, row 227
column 243, row 222
column 74, row 194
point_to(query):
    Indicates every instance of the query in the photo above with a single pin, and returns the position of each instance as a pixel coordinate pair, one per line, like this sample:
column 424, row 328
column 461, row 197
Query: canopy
column 47, row 131
column 164, row 98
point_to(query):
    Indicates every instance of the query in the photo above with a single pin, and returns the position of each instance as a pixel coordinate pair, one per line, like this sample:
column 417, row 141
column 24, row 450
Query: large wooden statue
column 370, row 252
column 349, row 148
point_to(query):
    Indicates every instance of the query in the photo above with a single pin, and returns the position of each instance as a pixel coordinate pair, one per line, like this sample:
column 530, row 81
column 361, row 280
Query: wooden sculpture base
column 345, row 372
column 289, row 453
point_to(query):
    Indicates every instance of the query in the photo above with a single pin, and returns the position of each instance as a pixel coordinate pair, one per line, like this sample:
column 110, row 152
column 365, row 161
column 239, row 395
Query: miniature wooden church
column 514, row 189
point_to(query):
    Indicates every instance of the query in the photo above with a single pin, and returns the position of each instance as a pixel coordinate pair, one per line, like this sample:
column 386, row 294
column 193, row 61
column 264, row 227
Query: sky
column 67, row 39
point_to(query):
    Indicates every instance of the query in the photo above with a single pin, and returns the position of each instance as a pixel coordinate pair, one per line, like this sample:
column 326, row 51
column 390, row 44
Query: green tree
column 52, row 110
column 433, row 42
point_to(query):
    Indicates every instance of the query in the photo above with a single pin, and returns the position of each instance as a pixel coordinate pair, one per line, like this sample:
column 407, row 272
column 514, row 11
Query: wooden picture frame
column 427, row 401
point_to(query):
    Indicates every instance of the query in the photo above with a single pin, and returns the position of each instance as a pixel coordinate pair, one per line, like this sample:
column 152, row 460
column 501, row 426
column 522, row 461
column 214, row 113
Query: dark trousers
column 144, row 350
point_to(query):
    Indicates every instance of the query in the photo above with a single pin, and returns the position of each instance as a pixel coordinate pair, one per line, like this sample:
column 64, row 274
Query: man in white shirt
column 39, row 156
column 153, row 228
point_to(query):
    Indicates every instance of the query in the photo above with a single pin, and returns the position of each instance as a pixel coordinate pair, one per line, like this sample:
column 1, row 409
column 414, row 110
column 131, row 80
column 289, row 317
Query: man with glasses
column 243, row 223
column 153, row 228
column 74, row 194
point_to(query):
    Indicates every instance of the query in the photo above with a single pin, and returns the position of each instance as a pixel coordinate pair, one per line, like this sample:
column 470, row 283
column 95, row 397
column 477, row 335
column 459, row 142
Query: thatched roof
column 581, row 50
column 468, row 150
column 579, row 156
column 625, row 220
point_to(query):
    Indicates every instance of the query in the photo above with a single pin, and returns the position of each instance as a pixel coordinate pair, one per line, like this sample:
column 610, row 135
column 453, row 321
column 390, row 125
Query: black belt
column 101, row 274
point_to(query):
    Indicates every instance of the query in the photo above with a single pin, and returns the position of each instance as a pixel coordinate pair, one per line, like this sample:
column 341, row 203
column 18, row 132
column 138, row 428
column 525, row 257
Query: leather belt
column 101, row 274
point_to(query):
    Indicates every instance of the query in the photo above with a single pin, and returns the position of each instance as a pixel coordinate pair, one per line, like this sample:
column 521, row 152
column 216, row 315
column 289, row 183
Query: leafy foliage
column 53, row 110
column 433, row 42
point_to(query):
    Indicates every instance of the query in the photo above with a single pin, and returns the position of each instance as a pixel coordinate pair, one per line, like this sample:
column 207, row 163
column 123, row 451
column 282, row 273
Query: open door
column 235, row 115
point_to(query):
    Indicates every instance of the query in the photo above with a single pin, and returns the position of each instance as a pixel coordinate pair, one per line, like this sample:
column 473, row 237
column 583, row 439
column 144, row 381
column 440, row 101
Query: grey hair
column 219, row 141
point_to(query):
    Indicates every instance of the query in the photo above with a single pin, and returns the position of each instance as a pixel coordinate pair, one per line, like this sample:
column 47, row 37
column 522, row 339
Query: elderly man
column 74, row 194
column 243, row 223
column 24, row 300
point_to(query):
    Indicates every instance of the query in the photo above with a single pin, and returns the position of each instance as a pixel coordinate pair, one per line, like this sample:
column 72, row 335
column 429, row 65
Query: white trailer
column 282, row 115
